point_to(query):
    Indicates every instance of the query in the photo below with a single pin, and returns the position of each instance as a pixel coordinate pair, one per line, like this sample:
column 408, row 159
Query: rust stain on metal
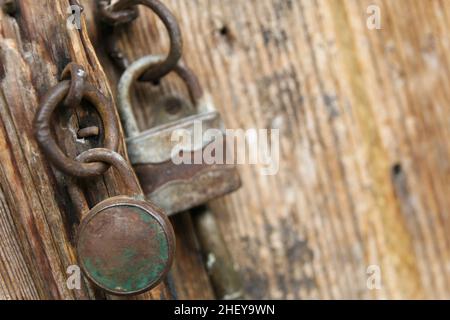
column 50, row 102
column 125, row 246
column 124, row 11
column 116, row 17
column 176, row 187
column 77, row 76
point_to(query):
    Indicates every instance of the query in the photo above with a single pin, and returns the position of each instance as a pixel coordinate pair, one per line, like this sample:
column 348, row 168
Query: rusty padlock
column 125, row 244
column 175, row 187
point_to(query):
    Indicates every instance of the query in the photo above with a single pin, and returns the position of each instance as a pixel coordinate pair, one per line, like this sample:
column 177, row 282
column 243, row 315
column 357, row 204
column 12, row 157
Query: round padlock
column 125, row 245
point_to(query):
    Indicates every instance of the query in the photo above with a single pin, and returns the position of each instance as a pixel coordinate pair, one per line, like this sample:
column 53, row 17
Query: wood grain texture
column 364, row 119
column 36, row 215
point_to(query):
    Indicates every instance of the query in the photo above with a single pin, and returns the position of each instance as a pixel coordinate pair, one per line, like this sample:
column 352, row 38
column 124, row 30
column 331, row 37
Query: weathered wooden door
column 360, row 93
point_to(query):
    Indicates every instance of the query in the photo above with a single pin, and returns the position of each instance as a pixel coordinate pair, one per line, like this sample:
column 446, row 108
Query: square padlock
column 173, row 186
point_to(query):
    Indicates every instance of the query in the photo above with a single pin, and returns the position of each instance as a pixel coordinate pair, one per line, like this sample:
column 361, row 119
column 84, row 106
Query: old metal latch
column 125, row 245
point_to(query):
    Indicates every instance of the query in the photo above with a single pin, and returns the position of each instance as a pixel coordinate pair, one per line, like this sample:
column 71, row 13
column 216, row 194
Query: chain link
column 73, row 88
column 116, row 17
column 70, row 93
column 124, row 11
column 77, row 76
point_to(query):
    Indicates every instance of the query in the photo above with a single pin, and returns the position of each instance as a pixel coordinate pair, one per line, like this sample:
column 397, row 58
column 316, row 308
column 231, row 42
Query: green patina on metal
column 160, row 235
column 132, row 272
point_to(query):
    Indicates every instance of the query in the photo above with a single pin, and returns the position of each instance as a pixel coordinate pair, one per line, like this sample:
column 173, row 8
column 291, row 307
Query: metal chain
column 77, row 75
column 70, row 93
column 121, row 12
column 115, row 160
column 116, row 17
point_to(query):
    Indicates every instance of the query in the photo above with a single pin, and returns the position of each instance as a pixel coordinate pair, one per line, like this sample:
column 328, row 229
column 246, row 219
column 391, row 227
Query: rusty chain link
column 116, row 17
column 115, row 160
column 121, row 12
column 77, row 76
column 70, row 93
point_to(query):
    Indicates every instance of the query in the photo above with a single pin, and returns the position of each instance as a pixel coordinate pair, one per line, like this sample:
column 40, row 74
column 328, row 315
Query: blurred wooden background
column 364, row 119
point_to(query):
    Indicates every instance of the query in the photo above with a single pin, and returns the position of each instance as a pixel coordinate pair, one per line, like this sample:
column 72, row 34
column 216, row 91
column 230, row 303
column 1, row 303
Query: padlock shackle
column 119, row 163
column 193, row 84
column 134, row 72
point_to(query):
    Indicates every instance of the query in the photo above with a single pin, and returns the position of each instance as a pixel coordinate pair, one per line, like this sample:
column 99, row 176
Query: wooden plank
column 36, row 247
column 363, row 114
